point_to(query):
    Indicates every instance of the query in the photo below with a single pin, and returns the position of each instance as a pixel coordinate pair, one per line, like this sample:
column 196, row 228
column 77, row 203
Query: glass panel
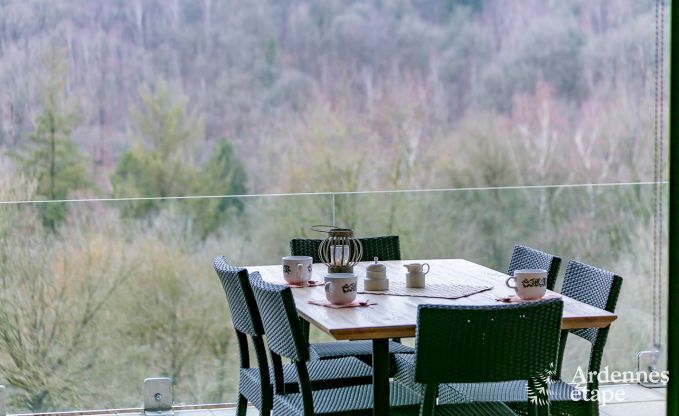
column 106, row 299
column 92, row 308
column 606, row 226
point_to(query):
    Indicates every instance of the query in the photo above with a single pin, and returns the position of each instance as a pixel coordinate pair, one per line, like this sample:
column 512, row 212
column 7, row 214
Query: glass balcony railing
column 123, row 290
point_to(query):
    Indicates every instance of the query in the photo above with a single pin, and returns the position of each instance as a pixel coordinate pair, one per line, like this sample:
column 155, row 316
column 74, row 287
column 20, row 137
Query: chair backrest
column 470, row 344
column 386, row 247
column 524, row 257
column 281, row 323
column 244, row 312
column 599, row 288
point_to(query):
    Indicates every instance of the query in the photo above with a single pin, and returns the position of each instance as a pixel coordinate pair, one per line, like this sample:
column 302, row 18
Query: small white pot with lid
column 376, row 276
column 376, row 270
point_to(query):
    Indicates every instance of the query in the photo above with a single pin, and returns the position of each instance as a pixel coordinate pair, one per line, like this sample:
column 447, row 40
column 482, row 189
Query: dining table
column 395, row 316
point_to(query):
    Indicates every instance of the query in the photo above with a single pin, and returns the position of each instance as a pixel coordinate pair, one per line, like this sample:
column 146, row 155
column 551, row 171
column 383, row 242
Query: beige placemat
column 435, row 290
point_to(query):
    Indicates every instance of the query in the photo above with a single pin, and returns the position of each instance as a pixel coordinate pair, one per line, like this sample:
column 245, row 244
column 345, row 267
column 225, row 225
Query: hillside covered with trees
column 130, row 103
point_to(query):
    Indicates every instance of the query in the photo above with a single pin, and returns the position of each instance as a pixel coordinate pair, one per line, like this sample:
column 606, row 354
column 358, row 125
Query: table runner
column 434, row 290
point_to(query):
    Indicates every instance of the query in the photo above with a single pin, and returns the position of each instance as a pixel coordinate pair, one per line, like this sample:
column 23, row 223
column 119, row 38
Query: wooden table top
column 395, row 316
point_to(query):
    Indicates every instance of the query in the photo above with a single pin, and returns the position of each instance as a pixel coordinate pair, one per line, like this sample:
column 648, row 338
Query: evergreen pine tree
column 50, row 154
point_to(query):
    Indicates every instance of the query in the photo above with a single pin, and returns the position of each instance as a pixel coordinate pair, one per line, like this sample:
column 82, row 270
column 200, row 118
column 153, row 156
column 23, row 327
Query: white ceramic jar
column 376, row 276
column 376, row 270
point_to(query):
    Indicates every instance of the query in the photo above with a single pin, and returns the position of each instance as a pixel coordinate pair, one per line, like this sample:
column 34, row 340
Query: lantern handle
column 327, row 228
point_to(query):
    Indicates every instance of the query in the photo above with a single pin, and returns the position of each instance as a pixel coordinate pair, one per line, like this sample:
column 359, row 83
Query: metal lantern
column 340, row 251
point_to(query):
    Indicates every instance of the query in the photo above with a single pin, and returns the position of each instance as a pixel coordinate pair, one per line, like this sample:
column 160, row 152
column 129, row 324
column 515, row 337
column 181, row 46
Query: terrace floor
column 636, row 400
column 631, row 399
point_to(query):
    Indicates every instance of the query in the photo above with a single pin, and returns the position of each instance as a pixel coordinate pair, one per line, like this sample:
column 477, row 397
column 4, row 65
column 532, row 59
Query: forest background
column 127, row 104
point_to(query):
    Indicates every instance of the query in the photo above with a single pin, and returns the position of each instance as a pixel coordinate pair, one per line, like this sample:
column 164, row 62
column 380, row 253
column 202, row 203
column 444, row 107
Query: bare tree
column 51, row 298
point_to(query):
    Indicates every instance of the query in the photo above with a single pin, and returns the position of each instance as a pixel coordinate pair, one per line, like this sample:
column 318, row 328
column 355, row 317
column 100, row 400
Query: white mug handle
column 327, row 287
column 425, row 264
column 507, row 282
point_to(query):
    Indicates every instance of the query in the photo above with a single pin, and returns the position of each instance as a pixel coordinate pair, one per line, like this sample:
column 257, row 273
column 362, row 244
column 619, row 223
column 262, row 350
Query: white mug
column 340, row 288
column 297, row 269
column 531, row 284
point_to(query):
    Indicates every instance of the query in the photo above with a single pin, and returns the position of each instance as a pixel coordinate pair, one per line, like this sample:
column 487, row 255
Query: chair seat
column 363, row 350
column 514, row 393
column 405, row 372
column 325, row 374
column 508, row 392
column 355, row 400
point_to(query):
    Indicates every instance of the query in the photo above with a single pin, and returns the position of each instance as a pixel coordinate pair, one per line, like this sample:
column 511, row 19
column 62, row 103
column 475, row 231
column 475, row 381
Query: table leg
column 381, row 377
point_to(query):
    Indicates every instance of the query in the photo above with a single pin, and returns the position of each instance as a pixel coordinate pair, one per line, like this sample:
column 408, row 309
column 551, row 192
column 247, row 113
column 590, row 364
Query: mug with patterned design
column 340, row 288
column 297, row 269
column 531, row 284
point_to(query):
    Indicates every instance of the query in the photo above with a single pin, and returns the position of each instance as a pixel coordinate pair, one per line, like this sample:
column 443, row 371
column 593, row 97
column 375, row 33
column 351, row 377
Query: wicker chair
column 599, row 288
column 255, row 384
column 524, row 257
column 286, row 339
column 468, row 344
column 582, row 282
column 385, row 248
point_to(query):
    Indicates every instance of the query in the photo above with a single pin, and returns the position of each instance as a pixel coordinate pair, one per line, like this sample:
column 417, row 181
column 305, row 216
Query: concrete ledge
column 137, row 410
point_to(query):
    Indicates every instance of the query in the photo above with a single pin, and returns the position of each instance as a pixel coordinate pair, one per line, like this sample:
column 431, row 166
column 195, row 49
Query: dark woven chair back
column 594, row 286
column 247, row 323
column 385, row 247
column 524, row 257
column 281, row 322
column 599, row 288
column 469, row 344
column 244, row 312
